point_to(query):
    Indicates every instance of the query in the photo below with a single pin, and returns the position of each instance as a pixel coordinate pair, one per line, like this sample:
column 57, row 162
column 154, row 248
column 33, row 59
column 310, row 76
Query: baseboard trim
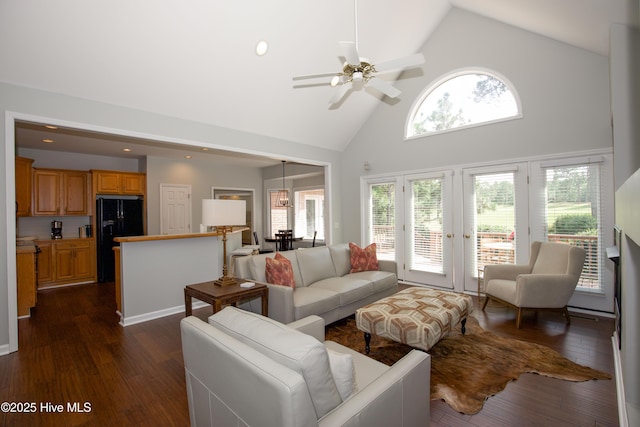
column 622, row 402
column 140, row 318
column 4, row 350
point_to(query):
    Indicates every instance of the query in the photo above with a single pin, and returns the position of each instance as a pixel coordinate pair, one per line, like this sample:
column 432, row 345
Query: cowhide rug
column 467, row 370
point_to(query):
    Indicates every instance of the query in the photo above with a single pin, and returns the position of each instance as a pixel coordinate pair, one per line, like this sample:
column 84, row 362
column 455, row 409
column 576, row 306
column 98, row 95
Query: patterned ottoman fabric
column 418, row 317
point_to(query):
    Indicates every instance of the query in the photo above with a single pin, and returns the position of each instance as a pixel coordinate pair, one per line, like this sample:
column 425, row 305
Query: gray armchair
column 547, row 282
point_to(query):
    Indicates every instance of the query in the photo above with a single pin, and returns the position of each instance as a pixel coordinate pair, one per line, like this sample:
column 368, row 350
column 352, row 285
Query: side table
column 218, row 296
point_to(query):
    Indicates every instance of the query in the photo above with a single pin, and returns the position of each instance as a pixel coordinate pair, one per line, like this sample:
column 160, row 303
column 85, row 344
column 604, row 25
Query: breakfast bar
column 152, row 271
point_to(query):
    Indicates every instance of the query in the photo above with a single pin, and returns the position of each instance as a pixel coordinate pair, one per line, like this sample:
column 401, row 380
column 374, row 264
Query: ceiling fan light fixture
column 357, row 76
column 335, row 81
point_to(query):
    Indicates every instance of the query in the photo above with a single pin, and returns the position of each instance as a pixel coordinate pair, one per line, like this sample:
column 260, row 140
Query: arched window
column 463, row 99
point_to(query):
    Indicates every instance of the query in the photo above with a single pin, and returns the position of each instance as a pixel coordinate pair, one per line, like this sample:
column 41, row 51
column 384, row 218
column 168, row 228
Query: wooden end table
column 218, row 296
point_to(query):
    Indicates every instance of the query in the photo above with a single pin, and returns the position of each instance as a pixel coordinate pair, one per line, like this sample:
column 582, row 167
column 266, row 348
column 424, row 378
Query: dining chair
column 284, row 240
column 262, row 251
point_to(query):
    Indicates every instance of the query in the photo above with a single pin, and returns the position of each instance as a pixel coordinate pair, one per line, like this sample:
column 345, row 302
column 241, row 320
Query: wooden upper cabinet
column 46, row 192
column 60, row 192
column 24, row 172
column 112, row 182
column 133, row 183
column 75, row 193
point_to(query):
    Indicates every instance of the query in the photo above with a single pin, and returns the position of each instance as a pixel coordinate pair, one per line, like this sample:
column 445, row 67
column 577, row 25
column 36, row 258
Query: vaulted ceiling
column 196, row 60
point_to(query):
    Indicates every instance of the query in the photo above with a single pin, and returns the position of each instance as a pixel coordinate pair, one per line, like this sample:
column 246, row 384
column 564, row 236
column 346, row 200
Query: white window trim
column 452, row 75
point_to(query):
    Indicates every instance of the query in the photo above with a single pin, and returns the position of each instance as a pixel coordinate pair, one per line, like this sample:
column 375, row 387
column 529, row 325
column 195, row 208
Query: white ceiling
column 196, row 60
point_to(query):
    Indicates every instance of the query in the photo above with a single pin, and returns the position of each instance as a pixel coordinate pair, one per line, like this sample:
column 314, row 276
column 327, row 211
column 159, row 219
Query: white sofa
column 243, row 369
column 324, row 286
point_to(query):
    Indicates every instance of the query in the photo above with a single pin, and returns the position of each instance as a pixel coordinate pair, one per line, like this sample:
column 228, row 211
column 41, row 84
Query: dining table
column 278, row 242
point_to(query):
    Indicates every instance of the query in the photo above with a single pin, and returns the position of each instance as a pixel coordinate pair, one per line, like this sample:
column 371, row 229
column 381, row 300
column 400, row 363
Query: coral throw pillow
column 279, row 271
column 363, row 259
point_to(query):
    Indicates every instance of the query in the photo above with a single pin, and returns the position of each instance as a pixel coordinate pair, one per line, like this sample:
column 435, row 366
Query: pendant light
column 283, row 200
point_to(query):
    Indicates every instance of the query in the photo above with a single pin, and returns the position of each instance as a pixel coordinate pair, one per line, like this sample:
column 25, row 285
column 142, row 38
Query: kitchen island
column 152, row 271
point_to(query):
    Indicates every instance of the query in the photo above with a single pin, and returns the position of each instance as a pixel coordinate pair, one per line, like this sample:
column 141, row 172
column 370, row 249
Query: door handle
column 466, row 236
column 449, row 235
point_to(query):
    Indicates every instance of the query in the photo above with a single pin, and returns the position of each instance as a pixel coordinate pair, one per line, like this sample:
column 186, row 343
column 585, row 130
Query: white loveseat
column 243, row 369
column 324, row 284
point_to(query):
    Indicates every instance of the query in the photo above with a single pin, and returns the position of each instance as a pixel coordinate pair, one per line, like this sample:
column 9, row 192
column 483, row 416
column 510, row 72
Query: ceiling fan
column 358, row 72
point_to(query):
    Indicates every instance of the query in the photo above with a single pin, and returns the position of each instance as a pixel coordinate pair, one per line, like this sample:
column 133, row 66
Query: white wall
column 564, row 93
column 201, row 175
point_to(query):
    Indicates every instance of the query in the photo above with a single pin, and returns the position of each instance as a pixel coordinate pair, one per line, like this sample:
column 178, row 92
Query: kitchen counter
column 173, row 236
column 25, row 247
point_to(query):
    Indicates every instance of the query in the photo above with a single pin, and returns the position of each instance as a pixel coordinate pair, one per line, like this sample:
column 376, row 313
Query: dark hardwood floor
column 72, row 350
column 535, row 400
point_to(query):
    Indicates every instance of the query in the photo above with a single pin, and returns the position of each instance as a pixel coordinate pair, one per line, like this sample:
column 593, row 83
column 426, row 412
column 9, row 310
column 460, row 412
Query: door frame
column 229, row 191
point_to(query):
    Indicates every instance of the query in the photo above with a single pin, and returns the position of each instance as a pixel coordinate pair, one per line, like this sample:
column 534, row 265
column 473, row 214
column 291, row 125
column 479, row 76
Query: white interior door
column 428, row 224
column 175, row 209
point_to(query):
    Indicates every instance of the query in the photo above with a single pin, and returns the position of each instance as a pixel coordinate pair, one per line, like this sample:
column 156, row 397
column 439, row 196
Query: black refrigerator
column 115, row 218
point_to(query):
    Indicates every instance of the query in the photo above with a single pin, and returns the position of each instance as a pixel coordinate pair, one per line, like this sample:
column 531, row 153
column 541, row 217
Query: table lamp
column 223, row 214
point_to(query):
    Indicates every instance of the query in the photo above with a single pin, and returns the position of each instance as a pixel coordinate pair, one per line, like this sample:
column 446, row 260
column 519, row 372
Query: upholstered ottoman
column 417, row 316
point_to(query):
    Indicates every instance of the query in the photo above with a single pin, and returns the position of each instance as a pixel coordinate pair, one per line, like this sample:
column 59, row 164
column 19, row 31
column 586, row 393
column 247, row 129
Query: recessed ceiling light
column 204, row 149
column 51, row 127
column 47, row 140
column 187, row 157
column 126, row 150
column 262, row 47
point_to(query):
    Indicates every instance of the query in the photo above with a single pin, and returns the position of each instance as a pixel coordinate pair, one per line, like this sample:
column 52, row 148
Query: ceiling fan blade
column 314, row 76
column 350, row 52
column 339, row 93
column 395, row 64
column 384, row 87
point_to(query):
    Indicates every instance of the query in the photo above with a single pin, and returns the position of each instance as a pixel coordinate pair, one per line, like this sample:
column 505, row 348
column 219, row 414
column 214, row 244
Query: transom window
column 463, row 99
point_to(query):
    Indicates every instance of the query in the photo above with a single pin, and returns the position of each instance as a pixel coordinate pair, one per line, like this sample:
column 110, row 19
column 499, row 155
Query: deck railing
column 492, row 248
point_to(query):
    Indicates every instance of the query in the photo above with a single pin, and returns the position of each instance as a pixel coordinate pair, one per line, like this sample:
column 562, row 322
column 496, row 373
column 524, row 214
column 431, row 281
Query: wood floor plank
column 72, row 349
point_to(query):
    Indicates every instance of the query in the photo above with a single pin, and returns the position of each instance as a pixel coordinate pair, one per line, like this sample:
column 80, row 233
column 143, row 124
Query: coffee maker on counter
column 56, row 229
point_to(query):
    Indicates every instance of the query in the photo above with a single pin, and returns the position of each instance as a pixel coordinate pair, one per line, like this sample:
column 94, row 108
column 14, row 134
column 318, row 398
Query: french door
column 428, row 229
column 443, row 227
column 495, row 219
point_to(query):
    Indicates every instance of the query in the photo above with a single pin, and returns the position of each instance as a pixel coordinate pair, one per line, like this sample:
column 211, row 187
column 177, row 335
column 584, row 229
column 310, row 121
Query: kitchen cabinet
column 61, row 192
column 114, row 182
column 45, row 263
column 24, row 171
column 26, row 275
column 67, row 261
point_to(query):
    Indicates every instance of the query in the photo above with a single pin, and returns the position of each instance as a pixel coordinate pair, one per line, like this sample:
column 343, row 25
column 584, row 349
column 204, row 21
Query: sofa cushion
column 315, row 264
column 344, row 373
column 348, row 288
column 293, row 349
column 311, row 300
column 341, row 256
column 278, row 271
column 380, row 280
column 363, row 259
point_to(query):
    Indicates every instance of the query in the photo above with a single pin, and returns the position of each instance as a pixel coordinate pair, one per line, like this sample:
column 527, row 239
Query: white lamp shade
column 223, row 212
